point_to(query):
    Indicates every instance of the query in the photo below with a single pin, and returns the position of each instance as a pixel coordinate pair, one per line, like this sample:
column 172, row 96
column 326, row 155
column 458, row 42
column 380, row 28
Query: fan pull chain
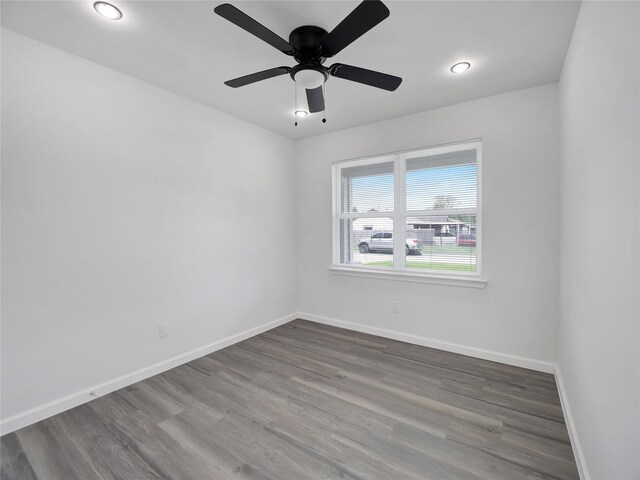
column 324, row 95
column 295, row 105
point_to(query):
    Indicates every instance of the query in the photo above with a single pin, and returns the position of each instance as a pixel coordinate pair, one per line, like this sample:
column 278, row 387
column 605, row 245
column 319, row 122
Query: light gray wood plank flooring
column 309, row 401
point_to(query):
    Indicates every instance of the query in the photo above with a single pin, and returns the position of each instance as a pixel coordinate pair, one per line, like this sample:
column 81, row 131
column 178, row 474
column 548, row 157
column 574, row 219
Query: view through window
column 412, row 211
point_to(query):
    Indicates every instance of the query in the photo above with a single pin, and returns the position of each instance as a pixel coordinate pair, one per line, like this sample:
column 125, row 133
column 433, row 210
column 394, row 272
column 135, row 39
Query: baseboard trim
column 47, row 410
column 538, row 365
column 583, row 471
column 60, row 405
column 493, row 356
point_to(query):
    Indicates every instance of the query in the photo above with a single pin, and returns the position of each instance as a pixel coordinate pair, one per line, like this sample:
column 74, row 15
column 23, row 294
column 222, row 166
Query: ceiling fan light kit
column 310, row 46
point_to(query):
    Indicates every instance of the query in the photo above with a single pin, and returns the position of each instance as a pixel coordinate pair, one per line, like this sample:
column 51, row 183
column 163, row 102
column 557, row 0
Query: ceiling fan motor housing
column 307, row 42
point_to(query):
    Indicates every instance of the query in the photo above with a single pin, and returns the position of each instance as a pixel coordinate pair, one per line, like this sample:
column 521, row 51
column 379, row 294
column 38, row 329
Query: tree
column 444, row 201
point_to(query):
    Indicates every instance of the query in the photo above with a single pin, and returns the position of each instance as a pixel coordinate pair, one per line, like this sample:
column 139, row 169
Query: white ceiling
column 186, row 48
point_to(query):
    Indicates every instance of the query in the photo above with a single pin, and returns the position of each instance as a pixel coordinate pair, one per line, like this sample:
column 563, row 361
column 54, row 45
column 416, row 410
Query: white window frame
column 399, row 214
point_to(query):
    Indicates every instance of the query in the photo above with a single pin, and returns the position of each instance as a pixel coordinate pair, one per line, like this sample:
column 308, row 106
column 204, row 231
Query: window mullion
column 337, row 208
column 354, row 216
column 399, row 220
column 443, row 211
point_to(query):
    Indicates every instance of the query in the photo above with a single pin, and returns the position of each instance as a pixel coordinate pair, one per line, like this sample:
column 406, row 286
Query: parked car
column 467, row 240
column 383, row 242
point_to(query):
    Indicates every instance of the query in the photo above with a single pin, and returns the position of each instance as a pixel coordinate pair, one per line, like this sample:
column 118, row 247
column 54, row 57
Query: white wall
column 599, row 337
column 517, row 313
column 124, row 206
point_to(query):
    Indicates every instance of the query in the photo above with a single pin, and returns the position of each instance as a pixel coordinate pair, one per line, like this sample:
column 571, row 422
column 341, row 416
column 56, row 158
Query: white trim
column 441, row 212
column 355, row 216
column 517, row 361
column 381, row 273
column 399, row 218
column 362, row 161
column 335, row 206
column 524, row 362
column 60, row 405
column 479, row 232
column 437, row 149
column 54, row 407
column 583, row 471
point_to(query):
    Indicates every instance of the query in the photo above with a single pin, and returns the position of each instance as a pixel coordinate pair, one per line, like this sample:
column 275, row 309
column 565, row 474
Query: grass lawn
column 443, row 250
column 448, row 250
column 455, row 267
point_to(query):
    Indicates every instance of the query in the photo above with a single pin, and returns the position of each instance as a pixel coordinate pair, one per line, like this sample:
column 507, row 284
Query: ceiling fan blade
column 256, row 77
column 362, row 19
column 247, row 23
column 368, row 77
column 315, row 99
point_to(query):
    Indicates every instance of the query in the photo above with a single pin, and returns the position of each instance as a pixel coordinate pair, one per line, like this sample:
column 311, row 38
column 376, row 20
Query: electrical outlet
column 164, row 329
column 395, row 307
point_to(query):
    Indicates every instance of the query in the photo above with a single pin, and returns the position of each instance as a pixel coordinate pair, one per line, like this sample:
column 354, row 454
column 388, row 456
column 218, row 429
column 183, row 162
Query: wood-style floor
column 308, row 401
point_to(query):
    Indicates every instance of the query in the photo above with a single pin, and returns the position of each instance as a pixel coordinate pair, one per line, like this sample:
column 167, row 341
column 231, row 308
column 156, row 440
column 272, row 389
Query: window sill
column 469, row 281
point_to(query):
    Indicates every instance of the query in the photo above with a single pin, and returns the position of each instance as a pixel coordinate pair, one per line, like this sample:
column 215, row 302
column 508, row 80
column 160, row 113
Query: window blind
column 367, row 188
column 434, row 220
column 442, row 181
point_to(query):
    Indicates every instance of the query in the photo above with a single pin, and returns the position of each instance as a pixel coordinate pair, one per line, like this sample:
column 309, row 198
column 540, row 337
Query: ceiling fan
column 310, row 46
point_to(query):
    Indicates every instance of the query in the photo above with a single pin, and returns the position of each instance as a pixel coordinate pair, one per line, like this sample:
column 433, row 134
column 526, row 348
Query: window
column 416, row 212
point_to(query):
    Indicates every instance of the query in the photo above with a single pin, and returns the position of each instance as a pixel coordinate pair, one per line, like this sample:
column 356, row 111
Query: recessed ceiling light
column 301, row 113
column 107, row 10
column 460, row 67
